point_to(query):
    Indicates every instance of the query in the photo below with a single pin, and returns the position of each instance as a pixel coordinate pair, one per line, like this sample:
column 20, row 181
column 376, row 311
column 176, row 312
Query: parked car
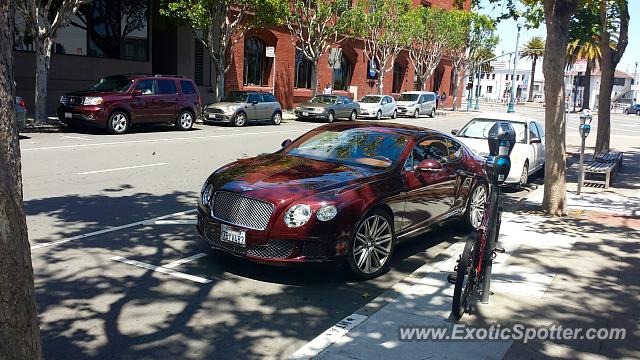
column 634, row 109
column 415, row 103
column 21, row 113
column 119, row 101
column 328, row 107
column 377, row 106
column 345, row 191
column 527, row 156
column 240, row 107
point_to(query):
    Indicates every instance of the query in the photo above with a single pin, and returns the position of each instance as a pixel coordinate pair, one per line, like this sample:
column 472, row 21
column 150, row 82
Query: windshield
column 236, row 96
column 357, row 147
column 112, row 84
column 408, row 97
column 370, row 99
column 479, row 129
column 323, row 99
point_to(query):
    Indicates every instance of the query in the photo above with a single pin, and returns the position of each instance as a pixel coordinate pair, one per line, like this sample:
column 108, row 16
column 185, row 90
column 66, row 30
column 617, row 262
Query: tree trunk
column 586, row 85
column 533, row 77
column 19, row 332
column 380, row 82
column 604, row 104
column 314, row 76
column 43, row 60
column 557, row 16
column 456, row 82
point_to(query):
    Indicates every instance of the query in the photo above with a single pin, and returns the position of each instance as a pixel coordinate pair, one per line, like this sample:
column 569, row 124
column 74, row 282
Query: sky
column 507, row 30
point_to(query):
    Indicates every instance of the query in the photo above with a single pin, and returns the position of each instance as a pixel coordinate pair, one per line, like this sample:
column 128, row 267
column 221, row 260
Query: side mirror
column 429, row 166
column 536, row 140
column 286, row 143
column 455, row 131
column 254, row 102
column 136, row 92
column 339, row 102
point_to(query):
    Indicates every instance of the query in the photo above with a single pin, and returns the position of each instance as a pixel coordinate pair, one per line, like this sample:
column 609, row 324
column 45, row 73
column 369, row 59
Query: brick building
column 96, row 44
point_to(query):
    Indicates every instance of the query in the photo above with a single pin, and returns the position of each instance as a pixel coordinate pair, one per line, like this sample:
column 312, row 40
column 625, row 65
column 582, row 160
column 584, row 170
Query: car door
column 166, row 101
column 429, row 194
column 142, row 107
column 534, row 147
column 341, row 108
column 541, row 146
column 386, row 106
column 251, row 107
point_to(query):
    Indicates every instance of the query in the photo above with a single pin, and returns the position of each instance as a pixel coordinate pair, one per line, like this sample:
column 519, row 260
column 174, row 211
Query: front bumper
column 89, row 114
column 218, row 117
column 310, row 114
column 270, row 251
column 21, row 117
column 406, row 111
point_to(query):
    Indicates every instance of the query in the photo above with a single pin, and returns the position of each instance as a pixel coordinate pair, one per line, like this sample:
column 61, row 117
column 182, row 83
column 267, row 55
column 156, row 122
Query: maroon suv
column 119, row 101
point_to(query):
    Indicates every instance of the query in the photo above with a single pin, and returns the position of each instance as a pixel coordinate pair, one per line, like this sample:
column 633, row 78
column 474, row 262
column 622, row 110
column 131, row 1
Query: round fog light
column 327, row 213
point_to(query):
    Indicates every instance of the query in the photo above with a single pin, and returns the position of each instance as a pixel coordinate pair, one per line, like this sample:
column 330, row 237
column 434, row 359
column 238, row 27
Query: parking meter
column 502, row 139
column 585, row 127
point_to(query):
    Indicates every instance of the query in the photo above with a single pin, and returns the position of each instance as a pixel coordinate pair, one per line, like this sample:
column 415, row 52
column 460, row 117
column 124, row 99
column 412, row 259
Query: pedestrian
column 443, row 97
column 327, row 89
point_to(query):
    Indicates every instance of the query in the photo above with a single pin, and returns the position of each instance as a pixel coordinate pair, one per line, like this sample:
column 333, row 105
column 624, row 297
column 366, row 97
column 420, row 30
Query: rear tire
column 476, row 206
column 524, row 176
column 184, row 121
column 276, row 119
column 433, row 113
column 465, row 278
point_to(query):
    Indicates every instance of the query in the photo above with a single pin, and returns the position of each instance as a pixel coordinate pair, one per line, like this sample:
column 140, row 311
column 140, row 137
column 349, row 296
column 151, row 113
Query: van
column 416, row 103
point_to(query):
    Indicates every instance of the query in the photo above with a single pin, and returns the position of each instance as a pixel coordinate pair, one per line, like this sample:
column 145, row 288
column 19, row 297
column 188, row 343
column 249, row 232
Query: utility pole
column 512, row 101
column 635, row 84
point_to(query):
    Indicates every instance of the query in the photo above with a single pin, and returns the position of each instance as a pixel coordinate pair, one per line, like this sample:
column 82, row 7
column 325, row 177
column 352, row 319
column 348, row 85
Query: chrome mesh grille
column 241, row 210
column 277, row 249
column 214, row 111
column 313, row 249
column 72, row 100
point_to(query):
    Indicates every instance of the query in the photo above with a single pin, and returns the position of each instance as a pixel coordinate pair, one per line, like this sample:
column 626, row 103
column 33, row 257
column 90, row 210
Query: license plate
column 212, row 116
column 67, row 115
column 305, row 114
column 232, row 236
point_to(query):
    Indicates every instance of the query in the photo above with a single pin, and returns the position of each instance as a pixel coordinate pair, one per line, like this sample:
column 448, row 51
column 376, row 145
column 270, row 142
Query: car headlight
column 327, row 212
column 297, row 215
column 61, row 99
column 228, row 111
column 206, row 194
column 92, row 100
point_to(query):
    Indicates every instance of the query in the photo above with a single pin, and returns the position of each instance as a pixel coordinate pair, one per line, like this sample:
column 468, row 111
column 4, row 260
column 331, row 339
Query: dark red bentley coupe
column 349, row 190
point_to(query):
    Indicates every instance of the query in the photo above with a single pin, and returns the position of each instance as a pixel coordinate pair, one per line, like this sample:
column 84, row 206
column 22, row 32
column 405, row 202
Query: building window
column 257, row 66
column 198, row 62
column 304, row 69
column 489, row 89
column 342, row 71
column 618, row 81
column 398, row 77
column 493, row 76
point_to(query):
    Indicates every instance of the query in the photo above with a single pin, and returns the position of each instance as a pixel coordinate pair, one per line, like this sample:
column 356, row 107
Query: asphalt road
column 92, row 204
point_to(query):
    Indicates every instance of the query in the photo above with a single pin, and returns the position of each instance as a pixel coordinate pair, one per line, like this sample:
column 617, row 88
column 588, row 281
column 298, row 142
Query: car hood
column 93, row 93
column 406, row 103
column 316, row 105
column 479, row 146
column 279, row 178
column 222, row 104
column 369, row 105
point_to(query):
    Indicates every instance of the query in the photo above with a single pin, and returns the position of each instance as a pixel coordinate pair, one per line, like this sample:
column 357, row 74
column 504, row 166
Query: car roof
column 400, row 129
column 512, row 117
column 418, row 92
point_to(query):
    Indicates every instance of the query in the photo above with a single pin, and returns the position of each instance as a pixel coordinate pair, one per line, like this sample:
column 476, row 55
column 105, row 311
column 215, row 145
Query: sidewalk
column 579, row 271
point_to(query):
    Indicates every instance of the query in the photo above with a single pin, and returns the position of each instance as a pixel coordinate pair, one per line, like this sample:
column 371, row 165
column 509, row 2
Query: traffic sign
column 271, row 51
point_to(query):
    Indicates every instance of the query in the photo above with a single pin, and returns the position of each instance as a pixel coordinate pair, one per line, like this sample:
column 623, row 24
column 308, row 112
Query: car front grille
column 276, row 249
column 241, row 210
column 73, row 100
column 313, row 249
column 214, row 111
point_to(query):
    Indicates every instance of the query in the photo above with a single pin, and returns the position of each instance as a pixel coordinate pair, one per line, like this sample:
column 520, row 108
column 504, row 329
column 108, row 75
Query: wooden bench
column 597, row 169
column 611, row 156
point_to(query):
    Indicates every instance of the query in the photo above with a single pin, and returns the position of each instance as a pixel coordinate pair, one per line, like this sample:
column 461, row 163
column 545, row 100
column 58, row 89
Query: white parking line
column 183, row 261
column 163, row 140
column 75, row 137
column 122, row 168
column 170, row 222
column 100, row 232
column 161, row 269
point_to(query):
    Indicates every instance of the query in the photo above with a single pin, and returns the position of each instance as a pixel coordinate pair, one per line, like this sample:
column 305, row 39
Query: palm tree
column 588, row 50
column 533, row 50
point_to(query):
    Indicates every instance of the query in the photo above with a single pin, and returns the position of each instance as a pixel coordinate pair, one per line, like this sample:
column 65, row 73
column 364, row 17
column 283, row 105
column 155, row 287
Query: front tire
column 638, row 113
column 276, row 119
column 416, row 113
column 371, row 247
column 330, row 116
column 476, row 206
column 184, row 121
column 465, row 278
column 353, row 116
column 240, row 119
column 118, row 123
column 379, row 115
column 524, row 176
column 626, row 112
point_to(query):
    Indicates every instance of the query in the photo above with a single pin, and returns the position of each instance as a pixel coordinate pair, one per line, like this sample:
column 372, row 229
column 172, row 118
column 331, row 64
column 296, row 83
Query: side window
column 533, row 131
column 187, row 87
column 166, row 87
column 540, row 130
column 268, row 97
column 346, row 100
column 253, row 97
column 455, row 150
column 423, row 98
column 431, row 97
column 430, row 149
column 146, row 87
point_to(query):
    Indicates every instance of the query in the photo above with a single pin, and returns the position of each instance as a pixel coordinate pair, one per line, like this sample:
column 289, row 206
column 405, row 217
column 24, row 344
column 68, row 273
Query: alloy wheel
column 433, row 113
column 379, row 115
column 354, row 115
column 524, row 177
column 277, row 118
column 395, row 114
column 476, row 206
column 118, row 123
column 186, row 120
column 330, row 117
column 240, row 119
column 416, row 113
column 372, row 244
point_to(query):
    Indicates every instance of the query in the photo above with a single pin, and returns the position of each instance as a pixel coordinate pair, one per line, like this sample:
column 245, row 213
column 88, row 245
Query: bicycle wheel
column 465, row 277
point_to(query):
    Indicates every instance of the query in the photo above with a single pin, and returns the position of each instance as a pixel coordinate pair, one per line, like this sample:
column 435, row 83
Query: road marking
column 170, row 222
column 100, row 232
column 328, row 337
column 162, row 140
column 122, row 168
column 161, row 269
column 183, row 261
column 75, row 137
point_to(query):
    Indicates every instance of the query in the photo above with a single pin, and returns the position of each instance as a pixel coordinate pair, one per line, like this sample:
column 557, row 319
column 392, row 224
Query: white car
column 527, row 156
column 377, row 107
column 416, row 103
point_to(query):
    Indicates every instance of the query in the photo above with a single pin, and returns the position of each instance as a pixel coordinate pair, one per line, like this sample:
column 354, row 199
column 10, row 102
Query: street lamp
column 635, row 84
column 516, row 55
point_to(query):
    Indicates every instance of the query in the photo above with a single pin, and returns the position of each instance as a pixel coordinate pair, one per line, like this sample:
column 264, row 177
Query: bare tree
column 314, row 27
column 430, row 35
column 611, row 12
column 44, row 18
column 19, row 332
